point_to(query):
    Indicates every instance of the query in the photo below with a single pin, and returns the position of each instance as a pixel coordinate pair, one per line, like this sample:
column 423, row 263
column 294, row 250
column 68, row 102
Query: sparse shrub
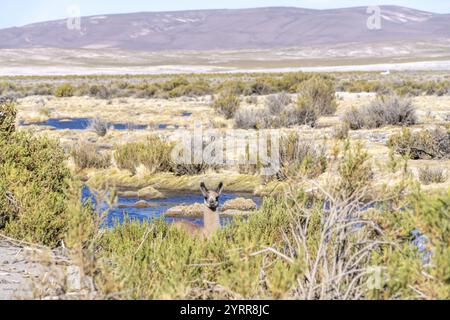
column 227, row 104
column 432, row 175
column 99, row 126
column 425, row 144
column 354, row 171
column 187, row 169
column 300, row 158
column 341, row 131
column 64, row 90
column 252, row 118
column 318, row 94
column 100, row 91
column 302, row 114
column 86, row 155
column 385, row 110
column 154, row 154
column 277, row 103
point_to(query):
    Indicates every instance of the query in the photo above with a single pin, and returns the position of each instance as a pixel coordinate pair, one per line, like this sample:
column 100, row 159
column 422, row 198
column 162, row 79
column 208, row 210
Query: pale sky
column 21, row 12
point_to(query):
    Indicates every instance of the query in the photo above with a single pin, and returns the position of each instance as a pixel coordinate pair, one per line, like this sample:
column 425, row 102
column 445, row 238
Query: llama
column 211, row 220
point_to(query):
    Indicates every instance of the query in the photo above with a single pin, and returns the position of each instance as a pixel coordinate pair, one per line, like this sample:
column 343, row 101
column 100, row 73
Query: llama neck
column 211, row 221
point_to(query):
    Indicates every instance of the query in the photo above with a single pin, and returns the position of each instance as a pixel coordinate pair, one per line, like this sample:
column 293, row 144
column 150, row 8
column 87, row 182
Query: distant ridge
column 229, row 29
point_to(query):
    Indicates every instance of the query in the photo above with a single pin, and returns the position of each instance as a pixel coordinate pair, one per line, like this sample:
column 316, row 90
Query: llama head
column 211, row 196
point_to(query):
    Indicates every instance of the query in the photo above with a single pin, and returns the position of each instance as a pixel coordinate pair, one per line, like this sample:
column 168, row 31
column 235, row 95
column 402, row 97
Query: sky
column 21, row 12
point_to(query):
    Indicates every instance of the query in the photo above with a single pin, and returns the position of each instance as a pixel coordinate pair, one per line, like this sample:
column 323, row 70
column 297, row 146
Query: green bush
column 64, row 90
column 34, row 185
column 8, row 113
column 154, row 154
column 424, row 144
column 299, row 158
column 227, row 104
column 318, row 94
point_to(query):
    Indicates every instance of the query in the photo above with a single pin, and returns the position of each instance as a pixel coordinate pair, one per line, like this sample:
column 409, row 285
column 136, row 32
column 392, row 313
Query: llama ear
column 203, row 189
column 220, row 188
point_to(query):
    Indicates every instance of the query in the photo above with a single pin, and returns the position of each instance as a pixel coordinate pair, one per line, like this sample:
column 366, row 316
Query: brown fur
column 211, row 219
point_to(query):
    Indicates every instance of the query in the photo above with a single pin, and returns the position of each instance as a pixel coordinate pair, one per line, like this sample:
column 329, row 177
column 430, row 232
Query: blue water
column 83, row 123
column 119, row 215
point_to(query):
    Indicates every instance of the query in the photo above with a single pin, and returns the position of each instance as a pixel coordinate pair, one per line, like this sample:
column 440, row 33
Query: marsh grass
column 154, row 154
column 86, row 155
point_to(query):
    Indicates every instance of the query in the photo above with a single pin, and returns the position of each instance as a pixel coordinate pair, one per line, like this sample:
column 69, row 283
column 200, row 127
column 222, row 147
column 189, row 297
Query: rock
column 193, row 211
column 239, row 204
column 139, row 205
column 150, row 193
column 127, row 194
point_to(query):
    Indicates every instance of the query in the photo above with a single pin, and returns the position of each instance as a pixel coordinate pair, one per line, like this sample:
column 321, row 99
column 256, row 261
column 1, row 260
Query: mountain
column 261, row 28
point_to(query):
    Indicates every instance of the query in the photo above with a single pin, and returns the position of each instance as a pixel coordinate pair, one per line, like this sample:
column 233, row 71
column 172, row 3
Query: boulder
column 139, row 205
column 150, row 193
column 127, row 194
column 239, row 204
column 193, row 211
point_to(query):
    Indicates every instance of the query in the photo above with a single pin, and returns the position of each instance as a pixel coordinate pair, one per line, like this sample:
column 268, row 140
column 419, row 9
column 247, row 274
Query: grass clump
column 227, row 104
column 385, row 110
column 85, row 155
column 64, row 90
column 424, row 144
column 154, row 154
column 429, row 175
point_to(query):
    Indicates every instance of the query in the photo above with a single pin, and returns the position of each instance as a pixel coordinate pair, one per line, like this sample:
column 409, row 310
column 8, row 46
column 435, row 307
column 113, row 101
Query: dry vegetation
column 363, row 183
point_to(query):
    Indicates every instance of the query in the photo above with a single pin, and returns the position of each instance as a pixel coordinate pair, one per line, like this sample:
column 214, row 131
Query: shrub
column 154, row 154
column 300, row 158
column 341, row 131
column 99, row 91
column 34, row 185
column 385, row 110
column 277, row 103
column 85, row 155
column 354, row 171
column 432, row 175
column 227, row 104
column 8, row 113
column 318, row 94
column 99, row 126
column 64, row 90
column 252, row 118
column 301, row 114
column 425, row 144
